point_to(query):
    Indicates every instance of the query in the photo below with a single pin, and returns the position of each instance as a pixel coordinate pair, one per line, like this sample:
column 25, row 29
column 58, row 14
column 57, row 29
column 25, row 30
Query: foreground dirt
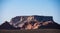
column 32, row 31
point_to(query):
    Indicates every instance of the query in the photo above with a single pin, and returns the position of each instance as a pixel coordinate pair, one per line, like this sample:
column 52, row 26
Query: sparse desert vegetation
column 31, row 31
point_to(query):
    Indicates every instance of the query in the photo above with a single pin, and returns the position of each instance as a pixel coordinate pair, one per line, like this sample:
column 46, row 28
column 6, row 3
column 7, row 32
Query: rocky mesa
column 31, row 22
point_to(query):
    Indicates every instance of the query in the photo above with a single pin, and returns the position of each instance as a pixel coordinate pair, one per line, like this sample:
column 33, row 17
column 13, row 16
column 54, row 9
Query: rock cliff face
column 43, row 18
column 20, row 20
column 31, row 22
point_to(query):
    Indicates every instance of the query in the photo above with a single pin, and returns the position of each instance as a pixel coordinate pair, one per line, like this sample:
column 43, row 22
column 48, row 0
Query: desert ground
column 32, row 31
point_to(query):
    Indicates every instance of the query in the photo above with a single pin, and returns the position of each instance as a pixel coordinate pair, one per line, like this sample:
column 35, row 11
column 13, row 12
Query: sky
column 12, row 8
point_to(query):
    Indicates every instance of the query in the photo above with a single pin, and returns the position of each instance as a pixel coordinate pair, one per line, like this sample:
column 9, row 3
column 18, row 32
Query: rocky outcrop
column 7, row 26
column 20, row 20
column 49, row 26
column 43, row 18
column 31, row 22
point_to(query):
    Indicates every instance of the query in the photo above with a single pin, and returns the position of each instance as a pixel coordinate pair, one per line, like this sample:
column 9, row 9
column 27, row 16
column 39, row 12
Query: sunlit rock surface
column 20, row 20
column 32, row 22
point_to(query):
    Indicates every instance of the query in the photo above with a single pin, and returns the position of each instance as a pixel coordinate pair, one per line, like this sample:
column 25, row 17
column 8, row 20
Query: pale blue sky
column 12, row 8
